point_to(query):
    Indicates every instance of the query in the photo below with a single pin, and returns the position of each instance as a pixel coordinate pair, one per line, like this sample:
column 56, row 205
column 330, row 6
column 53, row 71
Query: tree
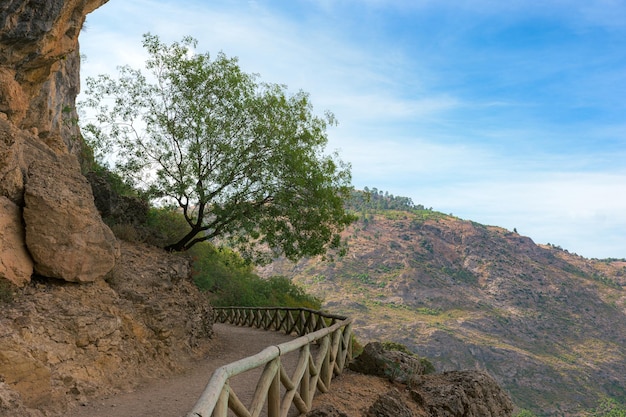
column 245, row 161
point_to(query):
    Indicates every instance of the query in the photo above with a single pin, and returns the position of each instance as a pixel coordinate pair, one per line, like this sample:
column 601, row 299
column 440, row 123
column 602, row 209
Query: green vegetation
column 6, row 292
column 244, row 161
column 229, row 281
column 220, row 272
column 525, row 413
column 374, row 199
column 427, row 366
column 609, row 408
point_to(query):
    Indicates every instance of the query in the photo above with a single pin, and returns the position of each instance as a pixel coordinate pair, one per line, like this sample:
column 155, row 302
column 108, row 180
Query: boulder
column 326, row 410
column 64, row 231
column 462, row 394
column 64, row 344
column 392, row 364
column 389, row 405
column 16, row 265
column 11, row 404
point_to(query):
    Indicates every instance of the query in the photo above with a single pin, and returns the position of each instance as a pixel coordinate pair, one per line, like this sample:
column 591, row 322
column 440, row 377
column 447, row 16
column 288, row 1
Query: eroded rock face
column 469, row 393
column 64, row 232
column 392, row 364
column 462, row 394
column 389, row 405
column 65, row 343
column 326, row 411
column 41, row 146
column 16, row 264
column 39, row 74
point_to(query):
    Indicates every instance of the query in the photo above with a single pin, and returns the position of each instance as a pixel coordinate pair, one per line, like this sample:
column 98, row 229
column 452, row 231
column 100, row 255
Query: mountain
column 549, row 325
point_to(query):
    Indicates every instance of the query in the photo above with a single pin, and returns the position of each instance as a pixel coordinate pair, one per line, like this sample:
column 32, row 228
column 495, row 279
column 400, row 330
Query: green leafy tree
column 245, row 161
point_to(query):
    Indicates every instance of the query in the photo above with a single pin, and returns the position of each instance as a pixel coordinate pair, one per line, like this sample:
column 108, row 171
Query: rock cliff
column 64, row 343
column 47, row 210
column 65, row 332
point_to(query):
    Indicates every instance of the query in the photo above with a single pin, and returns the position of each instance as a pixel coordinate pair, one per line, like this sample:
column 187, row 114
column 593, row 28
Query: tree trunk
column 181, row 245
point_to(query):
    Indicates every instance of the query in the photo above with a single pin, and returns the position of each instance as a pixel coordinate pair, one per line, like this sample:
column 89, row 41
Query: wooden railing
column 314, row 370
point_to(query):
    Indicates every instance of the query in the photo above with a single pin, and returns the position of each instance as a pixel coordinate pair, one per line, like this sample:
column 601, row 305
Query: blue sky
column 506, row 113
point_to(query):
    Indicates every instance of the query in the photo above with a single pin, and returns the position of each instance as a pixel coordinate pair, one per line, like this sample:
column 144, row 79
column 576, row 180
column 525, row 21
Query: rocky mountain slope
column 549, row 325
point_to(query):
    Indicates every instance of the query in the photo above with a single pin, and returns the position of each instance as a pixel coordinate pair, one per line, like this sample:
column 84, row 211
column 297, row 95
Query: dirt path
column 174, row 397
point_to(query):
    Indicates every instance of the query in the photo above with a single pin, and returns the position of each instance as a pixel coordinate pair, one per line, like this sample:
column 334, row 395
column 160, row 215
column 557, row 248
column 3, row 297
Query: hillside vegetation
column 548, row 324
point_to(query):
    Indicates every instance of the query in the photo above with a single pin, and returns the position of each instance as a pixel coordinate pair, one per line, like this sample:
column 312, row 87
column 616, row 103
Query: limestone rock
column 16, row 264
column 11, row 404
column 183, row 318
column 64, row 232
column 39, row 66
column 64, row 344
column 28, row 375
column 11, row 161
column 462, row 394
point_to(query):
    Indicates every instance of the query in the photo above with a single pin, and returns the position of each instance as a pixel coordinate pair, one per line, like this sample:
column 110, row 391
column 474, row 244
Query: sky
column 507, row 113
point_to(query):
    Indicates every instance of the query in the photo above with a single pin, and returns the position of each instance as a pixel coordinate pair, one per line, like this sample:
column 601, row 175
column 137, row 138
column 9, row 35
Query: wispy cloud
column 507, row 113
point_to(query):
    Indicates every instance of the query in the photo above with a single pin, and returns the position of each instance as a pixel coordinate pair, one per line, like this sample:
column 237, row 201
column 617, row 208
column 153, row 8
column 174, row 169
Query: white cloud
column 402, row 125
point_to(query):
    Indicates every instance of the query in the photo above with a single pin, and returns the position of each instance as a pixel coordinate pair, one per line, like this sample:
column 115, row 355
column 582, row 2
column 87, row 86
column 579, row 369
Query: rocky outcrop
column 16, row 265
column 462, row 394
column 469, row 393
column 389, row 404
column 114, row 207
column 65, row 343
column 64, row 232
column 39, row 74
column 326, row 410
column 390, row 363
column 41, row 147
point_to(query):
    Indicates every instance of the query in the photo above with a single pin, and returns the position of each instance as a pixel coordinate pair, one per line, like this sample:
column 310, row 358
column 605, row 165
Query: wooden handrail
column 332, row 334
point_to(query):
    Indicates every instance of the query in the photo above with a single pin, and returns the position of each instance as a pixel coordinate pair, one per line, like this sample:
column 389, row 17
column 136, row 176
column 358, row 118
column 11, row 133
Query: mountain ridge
column 549, row 325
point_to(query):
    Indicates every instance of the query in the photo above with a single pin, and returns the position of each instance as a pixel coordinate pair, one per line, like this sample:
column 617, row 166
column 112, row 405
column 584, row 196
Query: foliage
column 6, row 292
column 525, row 413
column 118, row 184
column 229, row 280
column 165, row 225
column 245, row 161
column 388, row 345
column 609, row 408
column 379, row 200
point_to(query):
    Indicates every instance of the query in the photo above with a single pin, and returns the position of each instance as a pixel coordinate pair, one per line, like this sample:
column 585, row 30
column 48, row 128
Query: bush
column 165, row 226
column 230, row 281
column 525, row 413
column 6, row 292
column 609, row 408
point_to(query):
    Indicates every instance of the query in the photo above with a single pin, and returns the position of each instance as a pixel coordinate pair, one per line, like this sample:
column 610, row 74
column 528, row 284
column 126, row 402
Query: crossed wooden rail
column 313, row 372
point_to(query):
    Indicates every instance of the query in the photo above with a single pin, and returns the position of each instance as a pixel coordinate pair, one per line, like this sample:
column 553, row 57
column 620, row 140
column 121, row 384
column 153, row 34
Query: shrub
column 230, row 281
column 164, row 226
column 6, row 292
